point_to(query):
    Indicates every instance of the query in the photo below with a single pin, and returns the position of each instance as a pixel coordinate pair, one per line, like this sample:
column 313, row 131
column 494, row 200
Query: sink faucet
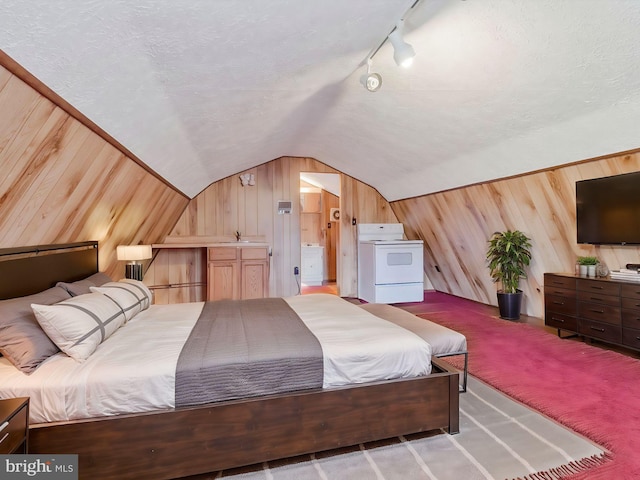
column 238, row 235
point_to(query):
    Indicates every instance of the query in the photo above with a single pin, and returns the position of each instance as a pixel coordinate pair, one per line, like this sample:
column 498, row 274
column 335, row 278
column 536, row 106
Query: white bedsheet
column 359, row 347
column 134, row 370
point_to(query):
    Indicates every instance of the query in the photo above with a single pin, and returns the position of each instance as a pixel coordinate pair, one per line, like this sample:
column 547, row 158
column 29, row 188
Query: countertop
column 191, row 244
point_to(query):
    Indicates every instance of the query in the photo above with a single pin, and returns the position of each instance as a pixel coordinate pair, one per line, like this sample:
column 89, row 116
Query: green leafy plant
column 588, row 260
column 508, row 254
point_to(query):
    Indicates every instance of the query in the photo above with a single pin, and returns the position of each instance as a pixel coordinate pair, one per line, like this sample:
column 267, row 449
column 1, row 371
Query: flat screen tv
column 608, row 210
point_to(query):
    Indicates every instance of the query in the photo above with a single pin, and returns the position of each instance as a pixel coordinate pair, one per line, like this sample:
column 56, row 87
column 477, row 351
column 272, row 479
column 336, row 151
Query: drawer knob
column 596, row 287
column 555, row 302
column 601, row 330
column 561, row 320
column 597, row 311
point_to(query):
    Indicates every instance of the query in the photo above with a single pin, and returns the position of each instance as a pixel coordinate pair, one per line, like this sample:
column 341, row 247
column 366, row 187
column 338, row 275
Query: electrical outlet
column 296, row 271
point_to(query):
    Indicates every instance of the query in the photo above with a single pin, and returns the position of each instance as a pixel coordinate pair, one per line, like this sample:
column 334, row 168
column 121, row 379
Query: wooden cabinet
column 236, row 272
column 311, row 202
column 599, row 308
column 14, row 426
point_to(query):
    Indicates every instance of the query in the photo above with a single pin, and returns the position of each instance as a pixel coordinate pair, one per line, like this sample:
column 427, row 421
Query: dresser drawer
column 564, row 322
column 557, row 281
column 630, row 291
column 597, row 297
column 631, row 338
column 630, row 303
column 223, row 253
column 13, row 431
column 599, row 286
column 558, row 304
column 601, row 331
column 631, row 318
column 600, row 312
column 254, row 253
column 560, row 291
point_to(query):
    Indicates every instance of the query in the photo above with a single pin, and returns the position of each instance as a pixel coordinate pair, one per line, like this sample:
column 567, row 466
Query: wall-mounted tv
column 608, row 210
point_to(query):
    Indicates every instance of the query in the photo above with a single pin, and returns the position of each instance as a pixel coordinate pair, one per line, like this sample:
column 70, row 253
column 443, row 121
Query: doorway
column 319, row 231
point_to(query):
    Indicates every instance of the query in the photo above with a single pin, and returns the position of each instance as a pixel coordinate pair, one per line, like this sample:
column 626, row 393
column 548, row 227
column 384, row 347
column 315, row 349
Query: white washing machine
column 390, row 268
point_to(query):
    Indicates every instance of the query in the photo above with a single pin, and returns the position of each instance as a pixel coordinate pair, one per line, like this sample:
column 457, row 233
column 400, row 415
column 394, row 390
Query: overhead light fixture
column 133, row 254
column 373, row 81
column 403, row 53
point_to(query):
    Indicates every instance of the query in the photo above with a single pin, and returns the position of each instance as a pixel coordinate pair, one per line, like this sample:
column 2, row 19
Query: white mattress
column 134, row 369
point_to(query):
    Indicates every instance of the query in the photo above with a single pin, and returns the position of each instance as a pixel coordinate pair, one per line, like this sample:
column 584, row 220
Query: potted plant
column 588, row 266
column 508, row 254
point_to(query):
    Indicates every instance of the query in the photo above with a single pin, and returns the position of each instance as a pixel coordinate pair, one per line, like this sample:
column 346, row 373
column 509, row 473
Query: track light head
column 403, row 53
column 371, row 81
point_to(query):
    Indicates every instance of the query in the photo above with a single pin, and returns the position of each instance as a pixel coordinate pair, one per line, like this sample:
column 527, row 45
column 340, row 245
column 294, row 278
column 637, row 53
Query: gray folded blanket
column 247, row 348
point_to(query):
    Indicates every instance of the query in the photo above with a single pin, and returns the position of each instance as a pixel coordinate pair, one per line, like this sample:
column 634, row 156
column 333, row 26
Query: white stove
column 390, row 268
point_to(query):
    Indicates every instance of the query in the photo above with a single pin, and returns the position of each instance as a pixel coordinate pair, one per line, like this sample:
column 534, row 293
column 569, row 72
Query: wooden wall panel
column 62, row 182
column 225, row 206
column 457, row 224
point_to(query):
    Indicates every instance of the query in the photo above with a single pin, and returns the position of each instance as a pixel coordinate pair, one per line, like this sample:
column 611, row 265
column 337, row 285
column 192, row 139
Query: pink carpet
column 594, row 392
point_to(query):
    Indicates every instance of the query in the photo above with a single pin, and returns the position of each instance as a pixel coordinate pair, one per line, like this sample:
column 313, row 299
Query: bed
column 168, row 441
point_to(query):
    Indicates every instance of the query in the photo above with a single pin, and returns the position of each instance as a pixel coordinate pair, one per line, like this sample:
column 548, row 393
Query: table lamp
column 133, row 254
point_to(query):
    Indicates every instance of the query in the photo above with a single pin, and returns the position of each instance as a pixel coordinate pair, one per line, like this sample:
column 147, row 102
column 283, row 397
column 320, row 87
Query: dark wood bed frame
column 190, row 441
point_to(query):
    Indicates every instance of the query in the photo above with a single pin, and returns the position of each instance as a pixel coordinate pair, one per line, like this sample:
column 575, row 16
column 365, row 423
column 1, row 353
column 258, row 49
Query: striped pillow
column 132, row 296
column 78, row 325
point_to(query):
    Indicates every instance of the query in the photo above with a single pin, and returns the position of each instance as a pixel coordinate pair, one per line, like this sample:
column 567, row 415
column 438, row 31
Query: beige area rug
column 499, row 439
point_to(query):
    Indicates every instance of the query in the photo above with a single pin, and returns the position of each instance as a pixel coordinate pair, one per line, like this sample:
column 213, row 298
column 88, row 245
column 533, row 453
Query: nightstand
column 14, row 425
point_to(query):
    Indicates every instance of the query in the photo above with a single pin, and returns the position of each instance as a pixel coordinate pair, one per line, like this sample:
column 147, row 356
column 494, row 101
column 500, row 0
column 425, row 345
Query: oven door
column 398, row 263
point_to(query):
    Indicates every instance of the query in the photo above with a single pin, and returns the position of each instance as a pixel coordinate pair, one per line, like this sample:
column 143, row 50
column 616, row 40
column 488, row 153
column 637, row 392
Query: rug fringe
column 571, row 468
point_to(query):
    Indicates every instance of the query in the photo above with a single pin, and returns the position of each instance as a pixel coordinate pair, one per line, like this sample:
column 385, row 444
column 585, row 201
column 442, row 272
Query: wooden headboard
column 27, row 270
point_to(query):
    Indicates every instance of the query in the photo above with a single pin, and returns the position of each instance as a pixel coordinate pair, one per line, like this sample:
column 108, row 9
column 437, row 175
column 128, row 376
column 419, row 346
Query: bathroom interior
column 319, row 230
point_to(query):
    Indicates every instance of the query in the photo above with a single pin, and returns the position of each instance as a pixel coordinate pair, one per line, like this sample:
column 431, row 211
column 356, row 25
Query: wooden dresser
column 599, row 308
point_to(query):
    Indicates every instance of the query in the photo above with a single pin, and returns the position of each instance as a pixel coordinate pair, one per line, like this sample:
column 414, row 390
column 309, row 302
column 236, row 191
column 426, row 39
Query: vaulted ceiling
column 201, row 89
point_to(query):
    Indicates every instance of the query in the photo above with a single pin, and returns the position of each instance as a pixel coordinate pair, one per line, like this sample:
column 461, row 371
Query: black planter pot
column 510, row 304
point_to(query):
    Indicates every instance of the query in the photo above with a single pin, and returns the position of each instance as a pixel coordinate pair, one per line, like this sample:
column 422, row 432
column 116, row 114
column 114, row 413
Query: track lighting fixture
column 403, row 53
column 373, row 81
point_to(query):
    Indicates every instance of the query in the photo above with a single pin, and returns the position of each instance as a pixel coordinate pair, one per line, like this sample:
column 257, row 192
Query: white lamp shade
column 133, row 252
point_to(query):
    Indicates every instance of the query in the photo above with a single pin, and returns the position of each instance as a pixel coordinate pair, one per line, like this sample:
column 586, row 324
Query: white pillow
column 78, row 325
column 132, row 296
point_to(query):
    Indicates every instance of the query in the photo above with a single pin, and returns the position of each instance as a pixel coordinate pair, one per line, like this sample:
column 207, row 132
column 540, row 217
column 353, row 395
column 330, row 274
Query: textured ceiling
column 202, row 89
